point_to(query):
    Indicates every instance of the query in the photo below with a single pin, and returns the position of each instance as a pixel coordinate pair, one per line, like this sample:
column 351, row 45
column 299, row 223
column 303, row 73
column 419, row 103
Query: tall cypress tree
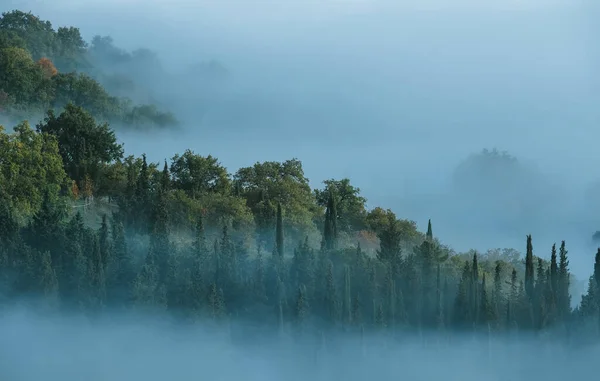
column 475, row 289
column 554, row 273
column 597, row 269
column 564, row 298
column 486, row 313
column 279, row 232
column 142, row 198
column 539, row 300
column 497, row 295
column 330, row 231
column 165, row 179
column 529, row 275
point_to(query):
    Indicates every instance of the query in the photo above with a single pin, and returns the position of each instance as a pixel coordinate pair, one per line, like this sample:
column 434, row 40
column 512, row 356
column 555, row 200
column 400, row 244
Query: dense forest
column 84, row 227
column 42, row 68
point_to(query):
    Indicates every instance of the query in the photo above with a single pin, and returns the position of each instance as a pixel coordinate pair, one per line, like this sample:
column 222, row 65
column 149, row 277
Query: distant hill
column 42, row 68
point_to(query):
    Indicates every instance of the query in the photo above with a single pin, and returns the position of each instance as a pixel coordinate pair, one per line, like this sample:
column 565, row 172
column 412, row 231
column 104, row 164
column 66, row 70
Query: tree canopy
column 42, row 68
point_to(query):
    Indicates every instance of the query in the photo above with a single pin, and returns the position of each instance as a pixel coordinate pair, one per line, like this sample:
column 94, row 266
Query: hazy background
column 392, row 94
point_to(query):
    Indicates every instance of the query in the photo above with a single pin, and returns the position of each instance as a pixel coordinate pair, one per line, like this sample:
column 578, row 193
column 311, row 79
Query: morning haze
column 399, row 96
column 392, row 95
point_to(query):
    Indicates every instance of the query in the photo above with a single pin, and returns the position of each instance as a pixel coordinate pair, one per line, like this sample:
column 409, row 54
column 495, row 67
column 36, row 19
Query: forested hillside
column 42, row 68
column 85, row 227
column 82, row 226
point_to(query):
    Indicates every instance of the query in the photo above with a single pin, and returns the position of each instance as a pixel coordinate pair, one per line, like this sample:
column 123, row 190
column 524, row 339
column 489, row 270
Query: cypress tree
column 165, row 179
column 554, row 273
column 330, row 231
column 429, row 234
column 596, row 277
column 279, row 232
column 497, row 295
column 485, row 314
column 539, row 300
column 564, row 297
column 597, row 269
column 474, row 289
column 529, row 282
column 142, row 198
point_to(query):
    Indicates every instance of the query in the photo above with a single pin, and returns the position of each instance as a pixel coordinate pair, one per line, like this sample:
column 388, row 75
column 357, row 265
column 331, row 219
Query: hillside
column 85, row 227
column 42, row 68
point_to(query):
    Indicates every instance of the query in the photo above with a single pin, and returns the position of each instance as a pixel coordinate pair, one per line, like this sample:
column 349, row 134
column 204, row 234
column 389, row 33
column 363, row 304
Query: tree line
column 84, row 227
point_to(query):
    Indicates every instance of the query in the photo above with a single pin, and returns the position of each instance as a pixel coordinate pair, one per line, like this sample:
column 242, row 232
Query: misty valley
column 117, row 267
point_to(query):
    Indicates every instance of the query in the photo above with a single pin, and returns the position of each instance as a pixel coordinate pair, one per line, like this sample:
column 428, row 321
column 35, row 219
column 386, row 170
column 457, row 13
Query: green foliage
column 266, row 184
column 30, row 169
column 83, row 145
column 350, row 205
column 27, row 44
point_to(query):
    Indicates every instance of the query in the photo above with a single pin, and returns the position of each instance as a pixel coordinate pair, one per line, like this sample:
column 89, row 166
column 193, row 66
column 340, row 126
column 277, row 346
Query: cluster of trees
column 198, row 242
column 42, row 68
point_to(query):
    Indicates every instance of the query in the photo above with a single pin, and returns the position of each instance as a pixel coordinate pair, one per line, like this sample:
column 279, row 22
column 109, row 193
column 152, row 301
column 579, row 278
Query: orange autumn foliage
column 75, row 190
column 88, row 187
column 367, row 239
column 47, row 67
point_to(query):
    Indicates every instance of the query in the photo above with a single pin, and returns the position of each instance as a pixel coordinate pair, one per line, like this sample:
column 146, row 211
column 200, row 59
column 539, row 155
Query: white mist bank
column 37, row 347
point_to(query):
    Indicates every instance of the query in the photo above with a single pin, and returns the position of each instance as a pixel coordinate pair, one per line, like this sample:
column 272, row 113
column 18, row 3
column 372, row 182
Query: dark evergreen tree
column 165, row 179
column 497, row 296
column 279, row 232
column 330, row 232
column 564, row 297
column 554, row 278
column 142, row 198
column 529, row 266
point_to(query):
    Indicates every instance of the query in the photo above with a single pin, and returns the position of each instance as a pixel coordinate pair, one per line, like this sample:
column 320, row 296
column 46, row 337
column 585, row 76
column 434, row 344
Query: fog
column 392, row 94
column 136, row 348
